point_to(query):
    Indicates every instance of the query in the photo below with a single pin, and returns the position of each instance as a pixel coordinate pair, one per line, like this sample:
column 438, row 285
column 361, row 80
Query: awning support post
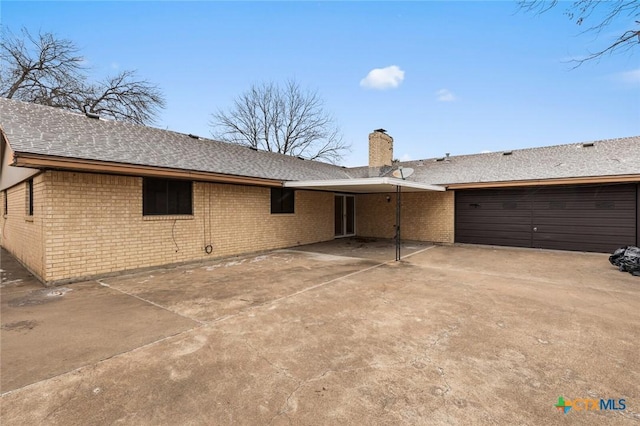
column 398, row 208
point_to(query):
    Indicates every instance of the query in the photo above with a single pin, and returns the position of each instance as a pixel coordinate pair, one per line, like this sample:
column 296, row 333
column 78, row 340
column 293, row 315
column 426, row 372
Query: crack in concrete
column 445, row 391
column 65, row 403
column 284, row 409
column 278, row 368
column 443, row 335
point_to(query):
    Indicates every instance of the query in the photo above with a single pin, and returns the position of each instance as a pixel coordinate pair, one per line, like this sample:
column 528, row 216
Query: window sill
column 28, row 218
column 168, row 217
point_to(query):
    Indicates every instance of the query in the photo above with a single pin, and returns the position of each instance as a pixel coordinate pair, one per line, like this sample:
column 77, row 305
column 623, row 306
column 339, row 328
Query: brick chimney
column 380, row 151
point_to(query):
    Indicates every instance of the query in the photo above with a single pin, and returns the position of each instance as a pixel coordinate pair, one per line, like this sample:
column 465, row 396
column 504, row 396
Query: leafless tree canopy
column 46, row 70
column 284, row 119
column 594, row 16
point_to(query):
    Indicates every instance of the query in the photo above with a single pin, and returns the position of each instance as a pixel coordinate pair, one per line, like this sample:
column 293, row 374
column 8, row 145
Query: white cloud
column 383, row 78
column 115, row 65
column 405, row 157
column 445, row 95
column 631, row 77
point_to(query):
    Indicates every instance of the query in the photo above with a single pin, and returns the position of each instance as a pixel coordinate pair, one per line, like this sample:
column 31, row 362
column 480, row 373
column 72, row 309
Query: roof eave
column 581, row 180
column 39, row 161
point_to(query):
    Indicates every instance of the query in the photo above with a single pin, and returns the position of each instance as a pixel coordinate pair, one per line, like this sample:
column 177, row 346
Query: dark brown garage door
column 585, row 218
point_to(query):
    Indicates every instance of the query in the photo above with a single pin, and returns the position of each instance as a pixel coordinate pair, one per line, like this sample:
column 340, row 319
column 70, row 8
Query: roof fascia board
column 94, row 166
column 543, row 182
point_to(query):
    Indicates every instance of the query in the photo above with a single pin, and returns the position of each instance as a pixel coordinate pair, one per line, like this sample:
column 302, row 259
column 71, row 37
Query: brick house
column 84, row 197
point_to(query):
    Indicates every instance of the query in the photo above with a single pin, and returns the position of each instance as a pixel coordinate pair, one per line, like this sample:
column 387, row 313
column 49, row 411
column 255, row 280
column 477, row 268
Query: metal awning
column 364, row 185
column 368, row 186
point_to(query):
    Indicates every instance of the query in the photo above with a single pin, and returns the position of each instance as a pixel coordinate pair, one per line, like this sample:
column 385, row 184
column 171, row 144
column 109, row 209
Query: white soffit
column 364, row 185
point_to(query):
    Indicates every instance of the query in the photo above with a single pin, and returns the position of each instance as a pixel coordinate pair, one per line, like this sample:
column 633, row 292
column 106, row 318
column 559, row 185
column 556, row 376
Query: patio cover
column 364, row 185
column 368, row 186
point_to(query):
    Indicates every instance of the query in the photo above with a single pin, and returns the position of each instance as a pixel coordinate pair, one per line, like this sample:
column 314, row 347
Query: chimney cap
column 380, row 130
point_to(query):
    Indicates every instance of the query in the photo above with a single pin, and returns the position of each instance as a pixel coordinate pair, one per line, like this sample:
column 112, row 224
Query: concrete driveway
column 334, row 333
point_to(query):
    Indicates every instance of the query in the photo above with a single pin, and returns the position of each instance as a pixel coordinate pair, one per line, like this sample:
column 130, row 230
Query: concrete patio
column 330, row 333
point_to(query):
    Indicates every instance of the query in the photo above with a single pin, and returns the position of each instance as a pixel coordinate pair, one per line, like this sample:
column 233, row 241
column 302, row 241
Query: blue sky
column 457, row 77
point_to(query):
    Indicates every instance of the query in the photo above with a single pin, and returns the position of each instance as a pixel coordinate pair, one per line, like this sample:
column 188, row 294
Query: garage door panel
column 494, row 217
column 584, row 222
column 501, row 214
column 605, row 205
column 495, row 225
column 588, row 214
column 587, row 218
column 518, row 220
column 586, row 231
column 591, row 244
column 495, row 241
column 476, row 234
column 584, row 246
column 506, row 205
column 604, row 190
column 496, row 230
column 505, row 193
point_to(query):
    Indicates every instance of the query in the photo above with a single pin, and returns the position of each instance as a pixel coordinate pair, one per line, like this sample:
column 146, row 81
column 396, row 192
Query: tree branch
column 284, row 119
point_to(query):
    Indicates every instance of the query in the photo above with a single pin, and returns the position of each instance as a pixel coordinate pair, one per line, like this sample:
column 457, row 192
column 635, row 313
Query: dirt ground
column 332, row 333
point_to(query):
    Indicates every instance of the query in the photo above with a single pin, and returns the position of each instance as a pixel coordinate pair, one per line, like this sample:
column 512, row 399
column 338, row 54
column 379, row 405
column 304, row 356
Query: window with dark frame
column 166, row 197
column 6, row 202
column 30, row 197
column 282, row 200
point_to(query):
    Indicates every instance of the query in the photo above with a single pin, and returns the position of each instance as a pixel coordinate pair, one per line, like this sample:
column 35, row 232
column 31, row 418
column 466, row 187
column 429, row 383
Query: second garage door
column 597, row 218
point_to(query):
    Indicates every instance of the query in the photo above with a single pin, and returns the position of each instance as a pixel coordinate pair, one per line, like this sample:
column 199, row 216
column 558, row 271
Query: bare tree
column 47, row 70
column 584, row 12
column 122, row 97
column 284, row 119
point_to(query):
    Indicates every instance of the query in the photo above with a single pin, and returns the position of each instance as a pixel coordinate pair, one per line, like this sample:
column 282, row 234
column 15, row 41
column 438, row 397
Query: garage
column 596, row 218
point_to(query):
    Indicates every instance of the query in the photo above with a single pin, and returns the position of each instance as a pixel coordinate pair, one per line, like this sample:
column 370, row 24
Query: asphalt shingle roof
column 610, row 157
column 37, row 129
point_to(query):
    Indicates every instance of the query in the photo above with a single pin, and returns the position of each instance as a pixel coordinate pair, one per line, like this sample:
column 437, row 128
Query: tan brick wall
column 95, row 224
column 22, row 235
column 426, row 216
column 92, row 224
